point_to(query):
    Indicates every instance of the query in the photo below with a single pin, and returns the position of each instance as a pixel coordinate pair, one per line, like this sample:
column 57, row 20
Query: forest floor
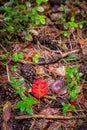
column 46, row 57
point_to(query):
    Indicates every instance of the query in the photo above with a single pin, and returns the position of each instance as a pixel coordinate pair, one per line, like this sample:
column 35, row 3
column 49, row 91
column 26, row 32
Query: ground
column 47, row 54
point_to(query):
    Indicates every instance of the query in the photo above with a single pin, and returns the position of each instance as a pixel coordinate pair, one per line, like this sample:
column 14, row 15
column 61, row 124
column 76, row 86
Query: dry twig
column 51, row 117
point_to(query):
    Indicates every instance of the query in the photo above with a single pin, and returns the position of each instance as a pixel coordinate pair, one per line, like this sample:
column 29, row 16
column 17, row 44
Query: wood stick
column 51, row 117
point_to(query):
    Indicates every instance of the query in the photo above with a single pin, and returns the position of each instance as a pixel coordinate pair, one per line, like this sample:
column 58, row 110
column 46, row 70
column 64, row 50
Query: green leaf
column 22, row 88
column 30, row 101
column 21, row 105
column 72, row 19
column 18, row 91
column 14, row 85
column 5, row 56
column 1, row 110
column 27, row 36
column 73, row 25
column 20, row 81
column 10, row 28
column 13, row 79
column 71, row 58
column 15, row 57
column 65, row 108
column 36, row 58
column 65, row 33
column 20, row 55
column 14, row 68
column 72, row 107
column 29, row 110
column 43, row 21
column 40, row 1
column 9, row 37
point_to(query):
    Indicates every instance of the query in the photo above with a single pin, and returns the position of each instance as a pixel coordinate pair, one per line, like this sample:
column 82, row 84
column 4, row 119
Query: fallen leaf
column 57, row 71
column 6, row 116
column 39, row 88
column 58, row 87
column 7, row 111
column 81, row 41
column 49, row 111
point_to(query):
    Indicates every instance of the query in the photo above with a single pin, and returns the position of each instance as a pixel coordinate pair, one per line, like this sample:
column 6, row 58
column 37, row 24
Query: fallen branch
column 51, row 117
column 54, row 58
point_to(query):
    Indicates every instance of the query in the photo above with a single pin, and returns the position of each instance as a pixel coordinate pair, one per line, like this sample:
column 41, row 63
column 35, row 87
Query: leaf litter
column 48, row 72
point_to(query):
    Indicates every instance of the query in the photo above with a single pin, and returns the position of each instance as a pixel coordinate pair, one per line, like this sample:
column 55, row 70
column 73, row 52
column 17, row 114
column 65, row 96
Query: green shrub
column 19, row 16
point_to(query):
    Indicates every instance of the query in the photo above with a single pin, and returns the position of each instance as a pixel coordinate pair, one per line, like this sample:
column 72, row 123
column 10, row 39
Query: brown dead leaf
column 58, row 87
column 40, row 70
column 55, row 126
column 80, row 38
column 6, row 116
column 49, row 111
column 7, row 111
column 81, row 41
column 57, row 71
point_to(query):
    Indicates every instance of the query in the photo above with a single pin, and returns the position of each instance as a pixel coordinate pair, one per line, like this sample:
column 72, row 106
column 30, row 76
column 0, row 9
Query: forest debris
column 6, row 116
column 39, row 88
column 58, row 87
column 57, row 71
column 55, row 126
column 49, row 111
column 51, row 117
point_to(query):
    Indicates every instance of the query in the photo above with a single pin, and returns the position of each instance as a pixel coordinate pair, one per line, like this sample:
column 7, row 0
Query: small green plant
column 65, row 33
column 36, row 58
column 19, row 16
column 25, row 104
column 67, row 107
column 5, row 56
column 72, row 80
column 17, row 56
column 68, row 23
column 14, row 68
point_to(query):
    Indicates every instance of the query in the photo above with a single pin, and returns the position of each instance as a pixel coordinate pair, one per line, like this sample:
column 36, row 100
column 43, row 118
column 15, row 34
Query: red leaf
column 39, row 88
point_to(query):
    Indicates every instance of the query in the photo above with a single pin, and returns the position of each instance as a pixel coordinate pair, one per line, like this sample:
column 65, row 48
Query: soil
column 54, row 50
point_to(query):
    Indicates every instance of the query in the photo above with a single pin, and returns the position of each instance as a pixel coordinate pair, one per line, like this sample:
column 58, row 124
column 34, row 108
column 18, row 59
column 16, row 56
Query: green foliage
column 40, row 1
column 35, row 58
column 4, row 56
column 0, row 110
column 67, row 107
column 67, row 23
column 71, row 58
column 65, row 33
column 72, row 80
column 17, row 56
column 14, row 68
column 25, row 104
column 20, row 16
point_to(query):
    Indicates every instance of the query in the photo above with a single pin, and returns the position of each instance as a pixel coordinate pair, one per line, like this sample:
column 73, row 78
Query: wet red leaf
column 39, row 88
